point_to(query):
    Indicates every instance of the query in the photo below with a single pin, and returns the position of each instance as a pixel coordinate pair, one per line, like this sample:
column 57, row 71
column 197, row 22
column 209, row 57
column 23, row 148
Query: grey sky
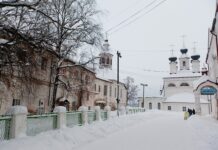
column 144, row 44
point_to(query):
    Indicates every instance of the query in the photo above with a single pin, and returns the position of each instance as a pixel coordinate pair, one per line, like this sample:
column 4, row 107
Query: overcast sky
column 145, row 43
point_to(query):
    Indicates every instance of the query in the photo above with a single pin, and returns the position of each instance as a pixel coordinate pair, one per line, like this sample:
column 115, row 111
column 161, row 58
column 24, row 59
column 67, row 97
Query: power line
column 128, row 8
column 138, row 17
column 130, row 17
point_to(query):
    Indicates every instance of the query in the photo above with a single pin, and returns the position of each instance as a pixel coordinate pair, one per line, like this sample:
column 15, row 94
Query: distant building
column 106, row 81
column 178, row 87
column 79, row 86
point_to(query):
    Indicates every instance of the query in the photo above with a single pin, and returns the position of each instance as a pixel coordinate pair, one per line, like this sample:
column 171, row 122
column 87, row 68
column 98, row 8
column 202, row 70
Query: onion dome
column 172, row 59
column 195, row 57
column 184, row 51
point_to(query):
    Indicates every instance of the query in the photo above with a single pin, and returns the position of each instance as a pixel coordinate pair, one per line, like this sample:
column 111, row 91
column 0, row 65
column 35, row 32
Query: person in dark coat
column 190, row 112
column 193, row 111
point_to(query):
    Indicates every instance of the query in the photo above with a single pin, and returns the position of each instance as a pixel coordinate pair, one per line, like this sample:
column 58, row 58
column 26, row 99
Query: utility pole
column 143, row 102
column 118, row 100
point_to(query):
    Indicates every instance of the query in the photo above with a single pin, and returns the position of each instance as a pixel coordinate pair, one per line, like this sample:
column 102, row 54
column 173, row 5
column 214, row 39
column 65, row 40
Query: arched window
column 87, row 79
column 76, row 75
column 158, row 106
column 108, row 61
column 103, row 60
column 184, row 84
column 150, row 105
column 171, row 85
column 183, row 64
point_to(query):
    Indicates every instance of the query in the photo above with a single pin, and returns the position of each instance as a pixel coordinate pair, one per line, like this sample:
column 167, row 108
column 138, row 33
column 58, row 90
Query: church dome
column 195, row 57
column 172, row 59
column 184, row 51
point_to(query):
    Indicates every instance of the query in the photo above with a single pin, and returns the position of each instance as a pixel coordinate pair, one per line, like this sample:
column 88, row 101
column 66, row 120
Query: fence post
column 18, row 124
column 127, row 110
column 98, row 113
column 61, row 120
column 108, row 110
column 84, row 111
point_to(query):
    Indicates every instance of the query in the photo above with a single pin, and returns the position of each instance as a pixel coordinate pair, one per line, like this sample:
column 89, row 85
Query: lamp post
column 143, row 102
column 118, row 100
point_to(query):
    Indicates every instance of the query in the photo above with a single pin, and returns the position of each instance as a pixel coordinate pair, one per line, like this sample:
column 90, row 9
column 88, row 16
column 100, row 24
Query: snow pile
column 70, row 138
column 152, row 130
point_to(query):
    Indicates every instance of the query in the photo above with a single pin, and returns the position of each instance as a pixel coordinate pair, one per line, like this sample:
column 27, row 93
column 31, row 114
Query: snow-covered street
column 152, row 130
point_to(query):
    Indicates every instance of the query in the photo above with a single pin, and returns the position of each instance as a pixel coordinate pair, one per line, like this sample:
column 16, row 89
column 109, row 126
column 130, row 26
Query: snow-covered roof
column 184, row 73
column 183, row 98
column 202, row 79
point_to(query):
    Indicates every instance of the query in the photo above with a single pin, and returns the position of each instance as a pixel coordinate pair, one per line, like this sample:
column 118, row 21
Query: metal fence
column 103, row 115
column 40, row 123
column 91, row 116
column 5, row 127
column 73, row 119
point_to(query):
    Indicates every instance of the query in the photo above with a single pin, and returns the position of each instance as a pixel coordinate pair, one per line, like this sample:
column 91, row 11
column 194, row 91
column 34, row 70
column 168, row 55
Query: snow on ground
column 152, row 130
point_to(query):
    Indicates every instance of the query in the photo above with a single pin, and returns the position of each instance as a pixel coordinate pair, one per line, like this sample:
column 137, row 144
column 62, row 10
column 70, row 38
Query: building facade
column 178, row 88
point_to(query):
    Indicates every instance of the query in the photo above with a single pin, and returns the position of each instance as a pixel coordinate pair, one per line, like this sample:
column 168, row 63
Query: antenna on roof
column 183, row 40
column 194, row 48
column 172, row 49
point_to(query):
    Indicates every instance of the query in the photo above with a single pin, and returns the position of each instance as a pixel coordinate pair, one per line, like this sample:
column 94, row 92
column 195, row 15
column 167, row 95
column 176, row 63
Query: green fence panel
column 5, row 128
column 104, row 115
column 41, row 123
column 91, row 116
column 74, row 118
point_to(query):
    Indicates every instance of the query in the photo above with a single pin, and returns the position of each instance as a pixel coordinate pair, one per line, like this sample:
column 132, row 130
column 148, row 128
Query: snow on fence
column 41, row 123
column 5, row 127
column 74, row 119
column 103, row 115
column 19, row 124
column 91, row 116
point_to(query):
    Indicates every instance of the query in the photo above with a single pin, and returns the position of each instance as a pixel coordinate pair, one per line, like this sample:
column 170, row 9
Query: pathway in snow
column 164, row 131
column 152, row 130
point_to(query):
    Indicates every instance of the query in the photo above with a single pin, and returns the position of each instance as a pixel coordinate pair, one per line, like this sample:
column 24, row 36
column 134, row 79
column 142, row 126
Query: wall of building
column 110, row 96
column 179, row 107
column 168, row 91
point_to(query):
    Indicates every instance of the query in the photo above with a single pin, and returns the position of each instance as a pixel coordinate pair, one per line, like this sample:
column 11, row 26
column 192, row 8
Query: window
column 121, row 93
column 183, row 64
column 103, row 60
column 76, row 75
column 183, row 108
column 171, row 85
column 105, row 90
column 150, row 105
column 16, row 102
column 110, row 91
column 44, row 63
column 95, row 87
column 99, row 88
column 111, row 61
column 158, row 106
column 87, row 79
column 169, row 108
column 87, row 96
column 108, row 61
column 184, row 84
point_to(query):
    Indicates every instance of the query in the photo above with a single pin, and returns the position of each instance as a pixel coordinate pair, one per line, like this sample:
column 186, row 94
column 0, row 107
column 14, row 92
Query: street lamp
column 143, row 102
column 118, row 100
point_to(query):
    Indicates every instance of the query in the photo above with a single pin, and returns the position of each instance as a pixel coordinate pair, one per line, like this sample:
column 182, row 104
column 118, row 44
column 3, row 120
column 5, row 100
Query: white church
column 177, row 93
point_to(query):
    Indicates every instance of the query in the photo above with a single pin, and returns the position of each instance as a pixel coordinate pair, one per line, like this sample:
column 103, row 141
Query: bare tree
column 132, row 89
column 59, row 26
